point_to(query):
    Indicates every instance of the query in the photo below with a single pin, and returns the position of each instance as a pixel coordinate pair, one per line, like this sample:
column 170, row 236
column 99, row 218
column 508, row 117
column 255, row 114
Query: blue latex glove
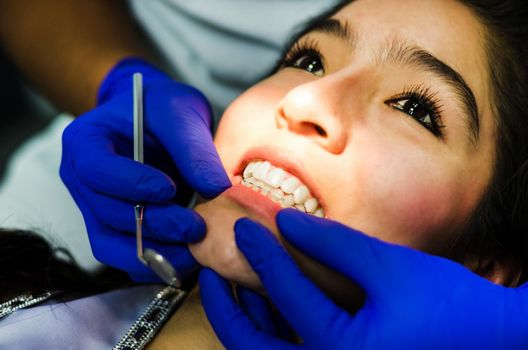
column 414, row 300
column 100, row 173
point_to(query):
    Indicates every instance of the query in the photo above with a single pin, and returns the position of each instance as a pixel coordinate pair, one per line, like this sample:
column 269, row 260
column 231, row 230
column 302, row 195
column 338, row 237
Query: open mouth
column 280, row 186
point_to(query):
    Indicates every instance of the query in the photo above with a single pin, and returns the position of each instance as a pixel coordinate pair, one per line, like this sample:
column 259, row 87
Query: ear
column 503, row 270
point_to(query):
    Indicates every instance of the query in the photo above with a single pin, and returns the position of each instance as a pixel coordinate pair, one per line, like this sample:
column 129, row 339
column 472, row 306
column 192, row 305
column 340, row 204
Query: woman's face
column 375, row 113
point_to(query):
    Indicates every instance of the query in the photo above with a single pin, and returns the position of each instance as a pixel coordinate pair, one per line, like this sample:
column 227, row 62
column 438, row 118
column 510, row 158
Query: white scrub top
column 33, row 197
column 223, row 46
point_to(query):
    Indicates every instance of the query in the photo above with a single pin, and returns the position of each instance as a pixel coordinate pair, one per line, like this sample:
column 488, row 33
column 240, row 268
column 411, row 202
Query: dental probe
column 161, row 266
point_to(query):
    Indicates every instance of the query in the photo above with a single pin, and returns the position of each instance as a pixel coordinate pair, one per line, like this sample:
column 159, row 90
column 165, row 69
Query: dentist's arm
column 414, row 301
column 66, row 47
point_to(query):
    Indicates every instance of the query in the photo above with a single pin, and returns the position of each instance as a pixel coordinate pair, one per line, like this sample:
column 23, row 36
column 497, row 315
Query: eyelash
column 416, row 94
column 426, row 98
column 307, row 48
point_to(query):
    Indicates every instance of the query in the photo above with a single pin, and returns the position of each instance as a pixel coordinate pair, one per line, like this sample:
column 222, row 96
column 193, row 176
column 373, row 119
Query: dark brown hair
column 499, row 225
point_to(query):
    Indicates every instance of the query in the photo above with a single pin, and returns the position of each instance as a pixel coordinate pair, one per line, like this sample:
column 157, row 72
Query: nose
column 313, row 110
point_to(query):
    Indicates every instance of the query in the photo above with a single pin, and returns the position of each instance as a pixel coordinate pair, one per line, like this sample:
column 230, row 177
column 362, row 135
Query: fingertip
column 285, row 215
column 249, row 233
column 197, row 228
column 289, row 216
column 242, row 230
column 214, row 185
column 204, row 171
column 243, row 224
column 297, row 226
column 183, row 261
column 291, row 220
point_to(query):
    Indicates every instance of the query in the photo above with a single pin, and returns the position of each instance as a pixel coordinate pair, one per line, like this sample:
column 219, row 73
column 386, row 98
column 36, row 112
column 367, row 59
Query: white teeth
column 311, row 205
column 275, row 199
column 280, row 187
column 301, row 194
column 248, row 172
column 300, row 207
column 288, row 201
column 275, row 177
column 265, row 188
column 277, row 193
column 261, row 170
column 290, row 185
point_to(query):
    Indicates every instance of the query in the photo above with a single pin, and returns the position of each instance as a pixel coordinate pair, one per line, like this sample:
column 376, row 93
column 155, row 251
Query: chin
column 219, row 252
column 218, row 249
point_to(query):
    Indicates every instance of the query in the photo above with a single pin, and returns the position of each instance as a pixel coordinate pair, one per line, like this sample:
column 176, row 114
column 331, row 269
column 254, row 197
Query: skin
column 374, row 167
column 65, row 48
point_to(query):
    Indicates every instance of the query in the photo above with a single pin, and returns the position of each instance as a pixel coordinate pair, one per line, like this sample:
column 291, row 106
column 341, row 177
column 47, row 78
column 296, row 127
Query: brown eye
column 415, row 109
column 310, row 62
column 424, row 112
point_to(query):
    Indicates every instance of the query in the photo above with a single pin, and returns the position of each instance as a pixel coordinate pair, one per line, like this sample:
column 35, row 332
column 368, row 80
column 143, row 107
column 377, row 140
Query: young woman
column 399, row 119
column 404, row 120
column 397, row 132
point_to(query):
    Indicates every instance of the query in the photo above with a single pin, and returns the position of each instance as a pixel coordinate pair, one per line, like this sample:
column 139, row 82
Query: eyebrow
column 343, row 31
column 397, row 51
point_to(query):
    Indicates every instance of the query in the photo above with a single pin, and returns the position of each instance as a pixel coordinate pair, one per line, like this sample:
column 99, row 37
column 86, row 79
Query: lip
column 276, row 157
column 256, row 202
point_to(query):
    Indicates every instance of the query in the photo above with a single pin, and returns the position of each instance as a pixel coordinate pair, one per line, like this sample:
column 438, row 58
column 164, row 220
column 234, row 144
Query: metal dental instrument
column 161, row 266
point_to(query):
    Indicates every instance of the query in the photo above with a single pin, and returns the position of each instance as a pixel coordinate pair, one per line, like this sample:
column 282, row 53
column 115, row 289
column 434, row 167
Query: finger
column 94, row 161
column 366, row 260
column 189, row 142
column 257, row 308
column 119, row 250
column 231, row 324
column 163, row 222
column 260, row 312
column 311, row 314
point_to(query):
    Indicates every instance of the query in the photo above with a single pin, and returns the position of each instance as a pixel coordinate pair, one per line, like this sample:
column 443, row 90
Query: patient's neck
column 188, row 328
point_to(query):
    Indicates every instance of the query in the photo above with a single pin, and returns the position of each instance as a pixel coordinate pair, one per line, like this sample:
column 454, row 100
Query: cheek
column 247, row 122
column 251, row 117
column 411, row 199
column 254, row 107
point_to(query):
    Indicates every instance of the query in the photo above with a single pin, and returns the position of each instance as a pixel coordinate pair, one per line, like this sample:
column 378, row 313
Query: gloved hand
column 414, row 300
column 99, row 171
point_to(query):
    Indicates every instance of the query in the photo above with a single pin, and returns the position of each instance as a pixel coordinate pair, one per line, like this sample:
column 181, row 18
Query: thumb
column 257, row 309
column 366, row 260
column 187, row 138
column 230, row 323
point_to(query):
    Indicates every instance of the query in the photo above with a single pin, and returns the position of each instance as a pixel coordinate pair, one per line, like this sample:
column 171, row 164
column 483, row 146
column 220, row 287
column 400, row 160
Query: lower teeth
column 277, row 195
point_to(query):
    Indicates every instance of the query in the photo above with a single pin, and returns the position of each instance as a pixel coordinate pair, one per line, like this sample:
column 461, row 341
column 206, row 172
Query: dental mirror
column 155, row 261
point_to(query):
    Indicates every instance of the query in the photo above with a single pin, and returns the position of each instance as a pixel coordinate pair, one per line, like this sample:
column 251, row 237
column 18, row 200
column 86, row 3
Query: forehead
column 439, row 25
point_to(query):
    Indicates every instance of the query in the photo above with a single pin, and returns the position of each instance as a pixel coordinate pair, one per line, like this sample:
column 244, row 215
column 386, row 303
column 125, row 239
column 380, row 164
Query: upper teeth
column 280, row 186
